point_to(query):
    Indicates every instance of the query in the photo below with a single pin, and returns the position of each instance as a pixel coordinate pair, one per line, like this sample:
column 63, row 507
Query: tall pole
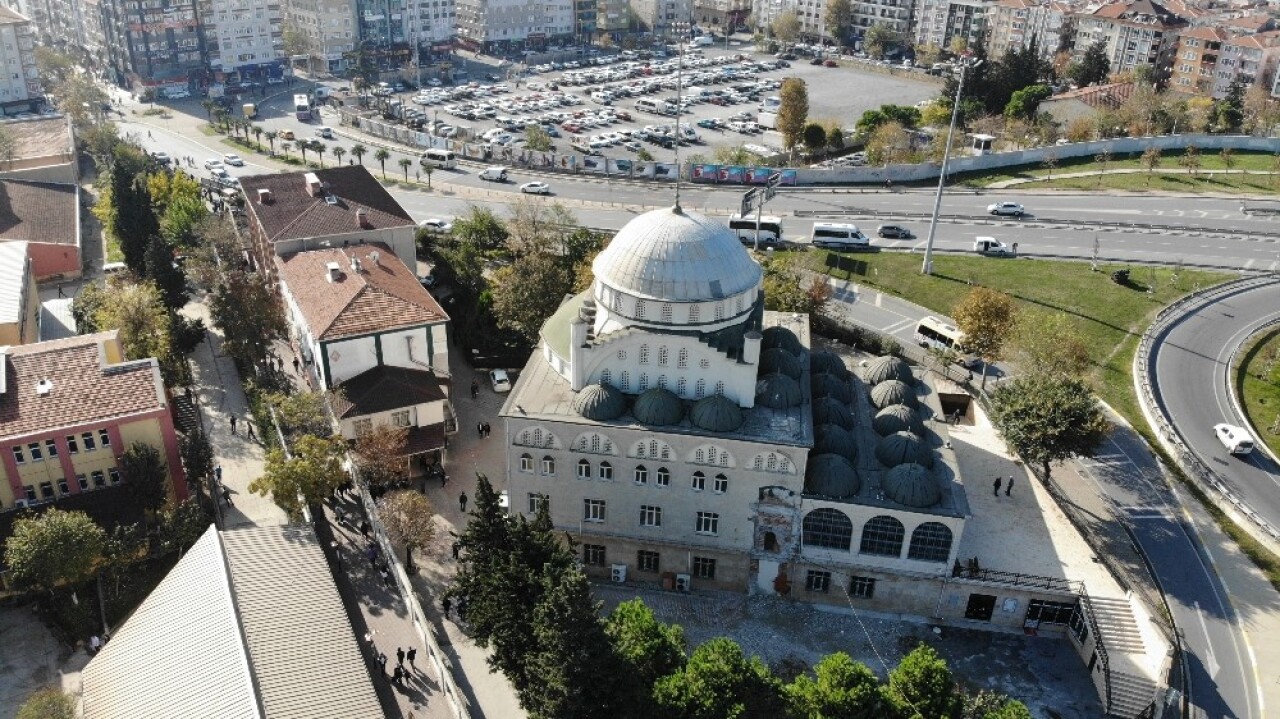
column 927, row 267
column 679, row 89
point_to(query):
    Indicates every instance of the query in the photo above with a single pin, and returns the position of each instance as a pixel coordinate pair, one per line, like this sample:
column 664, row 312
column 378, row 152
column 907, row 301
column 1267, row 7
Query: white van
column 991, row 247
column 443, row 159
column 838, row 236
column 1235, row 439
column 703, row 41
column 654, row 106
column 604, row 98
column 494, row 174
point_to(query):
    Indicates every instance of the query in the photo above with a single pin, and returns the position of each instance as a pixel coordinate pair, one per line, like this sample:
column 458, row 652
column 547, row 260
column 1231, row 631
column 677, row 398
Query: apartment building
column 721, row 15
column 811, row 13
column 503, row 26
column 1194, row 68
column 244, row 37
column 1013, row 24
column 154, row 44
column 1141, row 32
column 330, row 28
column 664, row 18
column 614, row 18
column 941, row 22
column 19, row 78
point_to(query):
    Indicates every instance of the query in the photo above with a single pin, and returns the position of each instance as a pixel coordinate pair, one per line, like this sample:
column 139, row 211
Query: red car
column 622, row 115
column 830, row 63
column 571, row 127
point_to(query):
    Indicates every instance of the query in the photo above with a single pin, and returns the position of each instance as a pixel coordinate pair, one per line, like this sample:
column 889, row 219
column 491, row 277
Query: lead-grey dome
column 778, row 391
column 834, row 439
column 897, row 418
column 903, row 447
column 826, row 384
column 658, row 407
column 828, row 410
column 676, row 256
column 912, row 485
column 825, row 361
column 716, row 413
column 887, row 368
column 600, row 402
column 892, row 391
column 781, row 338
column 830, row 475
column 776, row 359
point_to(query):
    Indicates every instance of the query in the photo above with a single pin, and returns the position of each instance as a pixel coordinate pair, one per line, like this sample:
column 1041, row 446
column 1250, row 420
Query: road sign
column 771, row 185
column 748, row 201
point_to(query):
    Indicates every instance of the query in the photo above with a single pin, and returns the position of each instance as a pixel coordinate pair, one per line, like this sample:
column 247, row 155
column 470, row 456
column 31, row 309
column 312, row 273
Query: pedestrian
column 295, row 365
column 398, row 676
column 226, row 496
column 249, row 429
column 95, row 644
column 382, row 663
column 233, row 424
column 447, row 604
column 365, row 528
column 61, row 293
column 217, row 472
column 462, row 502
column 996, row 485
column 149, row 137
column 386, row 575
column 480, row 429
column 475, row 389
column 410, row 656
column 400, row 656
column 1008, row 487
column 457, row 547
column 486, row 430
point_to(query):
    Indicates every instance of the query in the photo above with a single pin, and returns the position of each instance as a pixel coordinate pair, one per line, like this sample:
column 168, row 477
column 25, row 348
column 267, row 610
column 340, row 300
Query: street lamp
column 927, row 267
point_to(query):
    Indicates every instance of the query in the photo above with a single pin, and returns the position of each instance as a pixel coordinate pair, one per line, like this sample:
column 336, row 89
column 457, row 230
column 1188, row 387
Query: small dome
column 776, row 359
column 781, row 338
column 903, row 447
column 716, row 413
column 778, row 391
column 912, row 485
column 897, row 418
column 826, row 384
column 886, row 368
column 834, row 439
column 892, row 391
column 828, row 410
column 825, row 361
column 830, row 475
column 658, row 407
column 600, row 402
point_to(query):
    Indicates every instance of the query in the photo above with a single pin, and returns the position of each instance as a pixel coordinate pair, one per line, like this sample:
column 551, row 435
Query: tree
column 986, row 317
column 312, row 474
column 574, row 664
column 409, row 519
column 1229, row 111
column 1048, row 343
column 720, row 682
column 381, row 155
column 786, row 27
column 1050, row 162
column 887, row 144
column 271, row 136
column 304, row 145
column 296, row 42
column 50, row 702
column 146, row 476
column 793, row 110
column 1048, row 419
column 80, row 98
column 165, row 274
column 1103, row 159
column 1191, row 160
column 879, row 39
column 380, row 454
column 835, row 138
column 125, row 207
column 338, row 153
column 839, row 19
column 788, row 289
column 285, row 147
column 923, row 688
column 537, row 226
column 647, row 648
column 181, row 525
column 302, row 413
column 138, row 312
column 1025, row 102
column 481, row 228
column 643, row 155
column 841, row 688
column 358, row 151
column 54, row 68
column 427, row 169
column 320, row 148
column 257, row 136
column 53, row 549
column 197, row 456
column 404, row 163
column 528, row 291
column 1228, row 158
column 249, row 315
column 1150, row 161
column 815, row 137
column 1094, row 66
column 537, row 139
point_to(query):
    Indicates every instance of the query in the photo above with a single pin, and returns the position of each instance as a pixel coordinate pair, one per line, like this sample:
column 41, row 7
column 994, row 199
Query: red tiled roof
column 85, row 390
column 386, row 387
column 293, row 213
column 1110, row 96
column 1252, row 22
column 383, row 295
column 1128, row 11
column 39, row 212
column 1203, row 32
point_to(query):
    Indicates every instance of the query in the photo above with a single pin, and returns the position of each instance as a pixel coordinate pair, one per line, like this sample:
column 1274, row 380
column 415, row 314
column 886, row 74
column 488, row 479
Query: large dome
column 890, row 392
column 830, row 475
column 658, row 406
column 776, row 359
column 887, row 368
column 834, row 439
column 902, row 448
column 825, row 384
column 778, row 391
column 600, row 402
column 912, row 485
column 716, row 413
column 828, row 410
column 677, row 256
column 825, row 361
column 897, row 418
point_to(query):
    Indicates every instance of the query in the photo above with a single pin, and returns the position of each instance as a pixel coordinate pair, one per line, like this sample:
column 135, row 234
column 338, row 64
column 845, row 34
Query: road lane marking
column 1212, row 661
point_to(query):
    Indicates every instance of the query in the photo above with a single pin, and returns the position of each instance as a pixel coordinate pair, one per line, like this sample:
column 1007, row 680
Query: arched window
column 617, row 301
column 642, row 475
column 526, row 462
column 662, row 381
column 548, row 465
column 639, row 309
column 700, row 389
column 682, row 359
column 882, row 535
column 594, row 443
column 625, row 384
column 584, row 469
column 738, row 304
column 666, row 312
column 930, row 542
column 694, row 311
column 719, row 387
column 662, row 356
column 606, row 471
column 644, row 382
column 644, row 354
column 682, row 387
column 828, row 528
column 698, row 481
column 771, row 462
column 606, row 377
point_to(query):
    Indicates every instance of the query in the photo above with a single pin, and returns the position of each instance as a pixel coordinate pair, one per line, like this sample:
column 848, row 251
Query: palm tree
column 319, row 148
column 427, row 169
column 208, row 106
column 220, row 116
column 257, row 136
column 382, row 156
column 358, row 151
column 271, row 136
column 404, row 165
column 338, row 152
column 303, row 145
column 284, row 147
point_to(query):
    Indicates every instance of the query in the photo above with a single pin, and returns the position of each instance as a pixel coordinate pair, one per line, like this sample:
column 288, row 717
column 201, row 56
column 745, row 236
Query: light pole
column 927, row 267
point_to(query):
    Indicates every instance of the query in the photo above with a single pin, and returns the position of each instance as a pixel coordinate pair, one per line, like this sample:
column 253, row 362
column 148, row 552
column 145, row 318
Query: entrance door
column 980, row 607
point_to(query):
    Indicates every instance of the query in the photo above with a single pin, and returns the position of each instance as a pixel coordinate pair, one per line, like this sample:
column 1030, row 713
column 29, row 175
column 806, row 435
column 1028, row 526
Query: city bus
column 745, row 227
column 933, row 333
column 302, row 107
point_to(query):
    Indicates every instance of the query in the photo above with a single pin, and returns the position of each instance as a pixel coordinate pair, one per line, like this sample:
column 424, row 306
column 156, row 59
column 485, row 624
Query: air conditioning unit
column 683, row 582
column 619, row 574
column 21, row 503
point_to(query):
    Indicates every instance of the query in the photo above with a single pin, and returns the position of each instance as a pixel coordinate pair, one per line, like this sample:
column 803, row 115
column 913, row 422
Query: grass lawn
column 1110, row 317
column 1260, row 390
column 1209, row 162
column 114, row 253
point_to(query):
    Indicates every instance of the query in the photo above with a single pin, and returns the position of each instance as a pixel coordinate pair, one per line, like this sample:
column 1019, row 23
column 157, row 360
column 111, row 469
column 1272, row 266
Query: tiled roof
column 383, row 295
column 1110, row 96
column 385, row 388
column 424, row 439
column 1171, row 12
column 39, row 212
column 1252, row 22
column 85, row 388
column 305, row 658
column 1204, row 32
column 294, row 213
column 13, row 271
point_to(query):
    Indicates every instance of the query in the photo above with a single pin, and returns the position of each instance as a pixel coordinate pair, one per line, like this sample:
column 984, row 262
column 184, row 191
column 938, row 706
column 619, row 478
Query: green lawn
column 1109, row 316
column 1209, row 162
column 114, row 253
column 1259, row 389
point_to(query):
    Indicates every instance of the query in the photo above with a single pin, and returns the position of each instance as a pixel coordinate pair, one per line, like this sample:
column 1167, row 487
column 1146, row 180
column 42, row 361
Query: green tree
column 146, row 476
column 1150, row 161
column 786, row 27
column 481, row 228
column 1191, row 160
column 197, row 457
column 381, row 155
column 271, row 136
column 648, row 648
column 840, row 687
column 320, row 149
column 839, row 20
column 312, row 474
column 643, row 155
column 793, row 111
column 528, row 291
column 257, row 136
column 358, row 151
column 1048, row 343
column 1049, row 418
column 887, row 144
column 788, row 289
column 181, row 525
column 1026, row 101
column 720, row 682
column 165, row 274
column 923, row 688
column 54, row 68
column 986, row 317
column 1228, row 158
column 880, row 39
column 1229, row 111
column 53, row 549
column 815, row 137
column 145, row 327
column 302, row 413
column 50, row 702
column 338, row 153
column 1094, row 66
column 835, row 138
column 404, row 163
column 537, row 139
column 85, row 306
column 249, row 315
column 574, row 665
column 409, row 520
column 427, row 169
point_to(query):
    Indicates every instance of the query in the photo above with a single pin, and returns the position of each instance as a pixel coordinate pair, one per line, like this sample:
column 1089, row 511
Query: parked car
column 897, row 232
column 536, row 188
column 287, row 135
column 436, row 224
column 162, row 157
column 1006, row 208
column 500, row 381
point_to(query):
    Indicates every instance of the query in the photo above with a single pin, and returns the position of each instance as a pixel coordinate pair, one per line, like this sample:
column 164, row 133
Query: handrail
column 1098, row 644
column 1017, row 579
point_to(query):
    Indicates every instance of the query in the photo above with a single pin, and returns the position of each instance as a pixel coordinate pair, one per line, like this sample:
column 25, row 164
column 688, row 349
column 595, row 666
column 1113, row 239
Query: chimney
column 355, row 263
column 264, row 196
column 332, row 271
column 44, row 387
column 315, row 188
column 362, row 218
column 374, row 257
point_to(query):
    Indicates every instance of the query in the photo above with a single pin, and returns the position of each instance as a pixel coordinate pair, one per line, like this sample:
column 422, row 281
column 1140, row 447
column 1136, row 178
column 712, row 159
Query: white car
column 500, row 381
column 436, row 225
column 1006, row 208
column 233, row 160
column 536, row 188
column 212, row 164
column 219, row 173
column 1236, row 439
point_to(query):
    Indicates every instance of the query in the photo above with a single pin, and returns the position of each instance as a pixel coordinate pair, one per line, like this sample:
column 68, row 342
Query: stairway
column 1131, row 692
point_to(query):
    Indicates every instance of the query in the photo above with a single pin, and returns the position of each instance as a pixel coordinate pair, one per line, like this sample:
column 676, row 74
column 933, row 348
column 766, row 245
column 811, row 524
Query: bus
column 302, row 107
column 838, row 236
column 745, row 227
column 932, row 333
column 443, row 159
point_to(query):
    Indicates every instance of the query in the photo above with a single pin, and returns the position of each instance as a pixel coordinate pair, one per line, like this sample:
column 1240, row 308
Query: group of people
column 399, row 673
column 482, row 428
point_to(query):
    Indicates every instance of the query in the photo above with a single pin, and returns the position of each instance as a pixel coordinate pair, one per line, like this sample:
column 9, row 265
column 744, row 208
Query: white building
column 431, row 22
column 20, row 80
column 664, row 18
column 938, row 22
column 508, row 25
column 329, row 26
column 1140, row 32
column 244, row 36
column 1013, row 24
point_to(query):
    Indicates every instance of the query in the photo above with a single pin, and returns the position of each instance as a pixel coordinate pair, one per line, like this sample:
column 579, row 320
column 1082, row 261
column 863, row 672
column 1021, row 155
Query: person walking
column 486, row 430
column 1008, row 487
column 397, row 677
column 480, row 429
column 382, row 663
column 457, row 547
column 447, row 604
column 462, row 502
column 226, row 496
column 365, row 528
column 400, row 656
column 996, row 485
column 233, row 424
column 410, row 656
column 248, row 427
column 475, row 389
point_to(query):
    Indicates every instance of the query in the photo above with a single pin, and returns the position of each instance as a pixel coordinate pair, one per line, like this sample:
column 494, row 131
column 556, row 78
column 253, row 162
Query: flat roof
column 13, row 266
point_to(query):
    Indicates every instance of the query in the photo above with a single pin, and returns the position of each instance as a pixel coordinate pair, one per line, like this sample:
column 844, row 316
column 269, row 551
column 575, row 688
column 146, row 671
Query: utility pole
column 927, row 267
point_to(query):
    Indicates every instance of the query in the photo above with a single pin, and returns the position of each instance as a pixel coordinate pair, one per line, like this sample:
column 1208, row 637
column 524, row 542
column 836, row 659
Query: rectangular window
column 704, row 567
column 83, row 481
column 400, row 419
column 114, row 474
column 606, row 471
column 99, row 479
column 641, row 475
column 62, row 486
column 87, row 438
column 548, row 465
column 593, row 555
column 593, row 510
column 72, row 447
column 647, row 561
column 104, row 438
column 31, row 492
column 51, row 447
column 46, row 490
column 536, row 501
column 650, row 516
column 18, row 455
column 526, row 463
column 37, row 455
column 363, row 427
column 817, row 581
column 663, row 478
column 1050, row 612
column 699, row 481
column 864, row 587
column 721, row 484
column 707, row 523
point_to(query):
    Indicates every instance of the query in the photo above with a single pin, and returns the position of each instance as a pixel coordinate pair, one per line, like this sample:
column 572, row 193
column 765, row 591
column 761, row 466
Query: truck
column 991, row 247
column 250, row 110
